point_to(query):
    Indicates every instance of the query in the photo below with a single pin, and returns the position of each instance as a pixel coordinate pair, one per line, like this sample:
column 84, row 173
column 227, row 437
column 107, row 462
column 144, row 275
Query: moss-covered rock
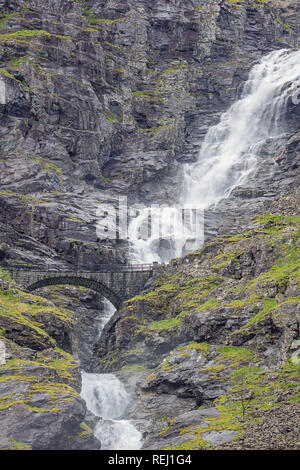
column 40, row 381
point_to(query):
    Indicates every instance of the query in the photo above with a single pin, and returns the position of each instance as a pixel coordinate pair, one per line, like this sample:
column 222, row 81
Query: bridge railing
column 91, row 269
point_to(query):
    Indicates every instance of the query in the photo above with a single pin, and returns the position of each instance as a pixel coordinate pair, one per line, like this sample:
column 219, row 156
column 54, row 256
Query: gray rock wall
column 100, row 98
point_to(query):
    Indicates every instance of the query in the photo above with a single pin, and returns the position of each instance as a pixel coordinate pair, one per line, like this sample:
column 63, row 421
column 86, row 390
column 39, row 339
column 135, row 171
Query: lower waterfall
column 107, row 398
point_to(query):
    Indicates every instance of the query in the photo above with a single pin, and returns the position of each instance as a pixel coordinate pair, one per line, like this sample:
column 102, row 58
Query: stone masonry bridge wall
column 116, row 286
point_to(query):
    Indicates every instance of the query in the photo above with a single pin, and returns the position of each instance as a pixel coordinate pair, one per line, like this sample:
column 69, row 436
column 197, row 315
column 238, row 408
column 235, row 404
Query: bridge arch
column 93, row 284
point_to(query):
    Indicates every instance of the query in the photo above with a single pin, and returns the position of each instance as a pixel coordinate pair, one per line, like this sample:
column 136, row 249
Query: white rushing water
column 107, row 398
column 229, row 154
column 168, row 234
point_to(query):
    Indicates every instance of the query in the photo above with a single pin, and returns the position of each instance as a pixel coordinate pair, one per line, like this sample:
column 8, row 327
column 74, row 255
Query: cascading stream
column 107, row 398
column 229, row 154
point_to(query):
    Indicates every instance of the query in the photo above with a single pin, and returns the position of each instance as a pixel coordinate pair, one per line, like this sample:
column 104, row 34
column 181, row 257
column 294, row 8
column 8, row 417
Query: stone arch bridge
column 117, row 283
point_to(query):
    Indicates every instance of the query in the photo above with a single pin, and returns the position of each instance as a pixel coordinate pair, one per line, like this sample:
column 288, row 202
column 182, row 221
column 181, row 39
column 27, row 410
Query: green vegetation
column 15, row 306
column 94, row 20
column 243, row 378
column 18, row 445
column 204, row 347
column 53, row 392
column 175, row 68
column 5, row 16
column 148, row 95
column 5, row 275
column 87, row 431
column 223, row 258
column 163, row 324
column 47, row 165
column 110, row 116
column 5, row 72
column 46, row 373
column 235, row 353
column 29, row 33
column 269, row 304
column 135, row 368
column 185, row 297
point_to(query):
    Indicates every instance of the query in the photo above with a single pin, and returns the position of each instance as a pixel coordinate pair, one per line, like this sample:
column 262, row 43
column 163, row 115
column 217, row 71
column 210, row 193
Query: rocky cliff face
column 102, row 98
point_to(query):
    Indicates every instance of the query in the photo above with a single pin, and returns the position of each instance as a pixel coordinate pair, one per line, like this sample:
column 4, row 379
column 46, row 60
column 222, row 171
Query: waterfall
column 228, row 156
column 166, row 237
column 107, row 398
column 231, row 149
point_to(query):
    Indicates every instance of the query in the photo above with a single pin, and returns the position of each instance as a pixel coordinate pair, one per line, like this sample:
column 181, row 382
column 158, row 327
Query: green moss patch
column 17, row 445
column 29, row 33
